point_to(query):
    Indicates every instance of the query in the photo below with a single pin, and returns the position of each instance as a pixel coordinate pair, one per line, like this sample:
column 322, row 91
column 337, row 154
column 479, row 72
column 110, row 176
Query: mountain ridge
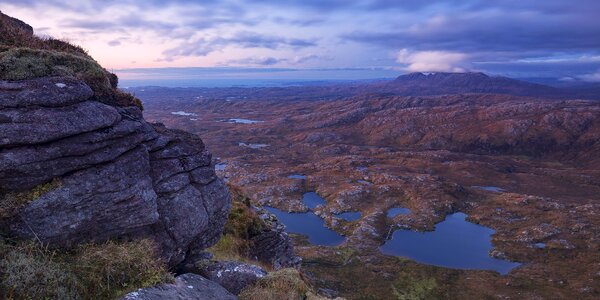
column 440, row 83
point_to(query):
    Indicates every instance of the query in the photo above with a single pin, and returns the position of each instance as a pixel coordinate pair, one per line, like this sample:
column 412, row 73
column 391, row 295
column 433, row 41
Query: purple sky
column 522, row 38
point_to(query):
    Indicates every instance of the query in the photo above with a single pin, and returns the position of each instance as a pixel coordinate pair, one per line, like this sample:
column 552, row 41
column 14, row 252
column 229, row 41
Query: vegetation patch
column 32, row 272
column 243, row 223
column 281, row 284
column 11, row 35
column 26, row 56
column 92, row 271
column 10, row 202
column 407, row 288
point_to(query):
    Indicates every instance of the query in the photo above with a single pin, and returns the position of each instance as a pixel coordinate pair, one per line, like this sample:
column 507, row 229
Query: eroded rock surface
column 233, row 276
column 120, row 176
column 186, row 286
column 273, row 244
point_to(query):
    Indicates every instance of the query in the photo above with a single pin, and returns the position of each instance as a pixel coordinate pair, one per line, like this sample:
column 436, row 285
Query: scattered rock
column 186, row 286
column 233, row 276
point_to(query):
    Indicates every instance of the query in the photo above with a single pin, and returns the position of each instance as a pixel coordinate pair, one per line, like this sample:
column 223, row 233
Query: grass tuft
column 32, row 272
column 242, row 224
column 112, row 269
column 407, row 288
column 91, row 271
column 282, row 284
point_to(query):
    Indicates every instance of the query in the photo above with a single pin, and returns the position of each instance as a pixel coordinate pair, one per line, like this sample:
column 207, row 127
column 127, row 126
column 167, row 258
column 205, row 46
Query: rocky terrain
column 117, row 175
column 95, row 201
column 431, row 154
column 88, row 187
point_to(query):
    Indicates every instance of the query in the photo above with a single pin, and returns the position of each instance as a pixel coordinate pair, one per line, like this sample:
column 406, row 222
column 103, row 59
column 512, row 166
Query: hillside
column 422, row 84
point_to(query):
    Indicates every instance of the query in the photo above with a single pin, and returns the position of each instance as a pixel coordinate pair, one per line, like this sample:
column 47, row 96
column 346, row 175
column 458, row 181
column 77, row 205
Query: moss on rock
column 10, row 202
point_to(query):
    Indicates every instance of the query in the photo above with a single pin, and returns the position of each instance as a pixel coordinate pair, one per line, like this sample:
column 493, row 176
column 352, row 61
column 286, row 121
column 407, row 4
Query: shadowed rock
column 273, row 244
column 121, row 177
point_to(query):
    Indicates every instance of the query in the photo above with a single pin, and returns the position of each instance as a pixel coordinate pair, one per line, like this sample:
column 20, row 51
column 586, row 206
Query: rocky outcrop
column 120, row 177
column 233, row 276
column 16, row 23
column 187, row 286
column 273, row 244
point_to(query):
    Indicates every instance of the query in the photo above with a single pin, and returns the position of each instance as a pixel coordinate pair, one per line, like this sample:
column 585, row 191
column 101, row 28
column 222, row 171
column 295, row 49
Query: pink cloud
column 433, row 61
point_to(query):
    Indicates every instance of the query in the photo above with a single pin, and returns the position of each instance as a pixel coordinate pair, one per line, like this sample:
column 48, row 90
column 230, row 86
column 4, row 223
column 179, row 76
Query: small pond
column 312, row 200
column 244, row 121
column 220, row 166
column 297, row 176
column 183, row 113
column 310, row 225
column 455, row 243
column 253, row 146
column 397, row 211
column 490, row 188
column 349, row 216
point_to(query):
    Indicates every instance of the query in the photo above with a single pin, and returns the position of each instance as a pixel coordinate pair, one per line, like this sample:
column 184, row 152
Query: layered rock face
column 273, row 244
column 116, row 175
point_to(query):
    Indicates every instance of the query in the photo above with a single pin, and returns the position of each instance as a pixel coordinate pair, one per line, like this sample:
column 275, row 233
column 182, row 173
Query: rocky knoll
column 106, row 172
column 482, row 124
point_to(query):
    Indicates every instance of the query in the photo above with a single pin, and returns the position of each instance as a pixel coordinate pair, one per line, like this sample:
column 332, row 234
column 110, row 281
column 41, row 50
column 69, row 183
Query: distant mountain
column 413, row 84
column 420, row 84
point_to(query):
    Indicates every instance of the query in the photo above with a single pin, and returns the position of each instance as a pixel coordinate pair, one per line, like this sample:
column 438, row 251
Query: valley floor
column 431, row 155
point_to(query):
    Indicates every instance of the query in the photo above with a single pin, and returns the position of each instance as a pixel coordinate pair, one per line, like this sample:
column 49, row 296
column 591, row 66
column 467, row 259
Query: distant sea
column 246, row 77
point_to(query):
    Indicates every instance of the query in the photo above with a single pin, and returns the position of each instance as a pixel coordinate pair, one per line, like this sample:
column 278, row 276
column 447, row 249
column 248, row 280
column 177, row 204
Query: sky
column 519, row 38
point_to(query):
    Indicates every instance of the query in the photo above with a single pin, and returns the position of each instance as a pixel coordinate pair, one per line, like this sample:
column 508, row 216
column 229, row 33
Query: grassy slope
column 26, row 56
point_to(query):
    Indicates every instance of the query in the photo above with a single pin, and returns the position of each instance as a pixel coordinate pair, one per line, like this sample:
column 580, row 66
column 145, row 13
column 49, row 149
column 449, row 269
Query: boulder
column 186, row 286
column 233, row 276
column 120, row 176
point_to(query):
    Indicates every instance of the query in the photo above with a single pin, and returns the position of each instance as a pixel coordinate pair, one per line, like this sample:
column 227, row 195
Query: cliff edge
column 79, row 164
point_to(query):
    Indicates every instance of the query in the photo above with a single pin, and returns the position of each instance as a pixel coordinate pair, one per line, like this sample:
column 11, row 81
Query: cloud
column 594, row 77
column 270, row 61
column 243, row 39
column 302, row 22
column 198, row 48
column 246, row 39
column 489, row 31
column 433, row 61
column 255, row 61
column 532, row 38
